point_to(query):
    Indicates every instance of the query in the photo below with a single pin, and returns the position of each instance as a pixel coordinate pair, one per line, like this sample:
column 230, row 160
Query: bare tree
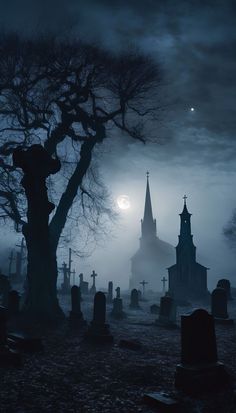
column 68, row 97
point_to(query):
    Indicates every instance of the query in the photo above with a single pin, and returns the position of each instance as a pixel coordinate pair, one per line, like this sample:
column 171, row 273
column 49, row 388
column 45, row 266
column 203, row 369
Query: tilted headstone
column 134, row 299
column 76, row 315
column 117, row 311
column 224, row 283
column 13, row 303
column 199, row 369
column 98, row 331
column 110, row 292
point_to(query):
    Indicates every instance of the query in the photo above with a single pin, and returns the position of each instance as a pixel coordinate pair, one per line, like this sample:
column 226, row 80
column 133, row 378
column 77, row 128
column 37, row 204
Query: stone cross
column 93, row 275
column 118, row 292
column 143, row 283
column 164, row 280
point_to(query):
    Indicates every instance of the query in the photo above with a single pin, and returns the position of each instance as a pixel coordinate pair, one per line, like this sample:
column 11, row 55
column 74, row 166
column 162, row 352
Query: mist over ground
column 195, row 45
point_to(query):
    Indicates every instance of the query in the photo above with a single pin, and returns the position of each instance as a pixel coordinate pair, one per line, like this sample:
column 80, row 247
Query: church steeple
column 185, row 222
column 148, row 223
column 185, row 249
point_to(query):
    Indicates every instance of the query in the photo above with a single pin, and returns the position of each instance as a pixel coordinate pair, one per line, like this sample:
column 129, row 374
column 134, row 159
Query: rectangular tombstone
column 198, row 338
column 199, row 371
column 167, row 313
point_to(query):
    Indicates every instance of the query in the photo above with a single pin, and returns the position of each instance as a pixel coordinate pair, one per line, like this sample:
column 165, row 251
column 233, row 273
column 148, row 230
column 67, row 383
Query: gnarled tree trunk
column 41, row 298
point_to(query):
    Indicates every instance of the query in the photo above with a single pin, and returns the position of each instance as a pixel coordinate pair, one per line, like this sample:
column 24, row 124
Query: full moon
column 123, row 202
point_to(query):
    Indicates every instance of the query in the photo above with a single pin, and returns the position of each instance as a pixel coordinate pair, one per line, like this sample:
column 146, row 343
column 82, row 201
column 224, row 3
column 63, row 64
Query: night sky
column 195, row 44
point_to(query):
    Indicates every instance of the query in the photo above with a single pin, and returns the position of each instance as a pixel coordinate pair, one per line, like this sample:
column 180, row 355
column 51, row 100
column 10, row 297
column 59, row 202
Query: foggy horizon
column 196, row 155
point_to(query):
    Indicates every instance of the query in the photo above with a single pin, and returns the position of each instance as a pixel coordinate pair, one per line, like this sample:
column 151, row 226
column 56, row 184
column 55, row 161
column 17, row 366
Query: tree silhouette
column 68, row 97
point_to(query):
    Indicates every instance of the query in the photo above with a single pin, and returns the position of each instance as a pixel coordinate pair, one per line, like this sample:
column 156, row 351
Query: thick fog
column 195, row 45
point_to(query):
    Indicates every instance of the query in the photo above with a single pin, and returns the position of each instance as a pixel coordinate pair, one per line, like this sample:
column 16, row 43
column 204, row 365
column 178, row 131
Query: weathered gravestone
column 98, row 331
column 7, row 355
column 13, row 303
column 117, row 311
column 84, row 285
column 76, row 315
column 154, row 309
column 224, row 283
column 134, row 300
column 199, row 369
column 167, row 312
column 219, row 306
column 110, row 292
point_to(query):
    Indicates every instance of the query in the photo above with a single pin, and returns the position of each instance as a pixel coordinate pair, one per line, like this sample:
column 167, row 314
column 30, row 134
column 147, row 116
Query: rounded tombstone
column 134, row 298
column 219, row 303
column 224, row 283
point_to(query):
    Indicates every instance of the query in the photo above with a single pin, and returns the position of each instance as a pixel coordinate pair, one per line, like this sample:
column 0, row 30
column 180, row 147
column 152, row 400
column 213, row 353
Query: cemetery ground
column 71, row 375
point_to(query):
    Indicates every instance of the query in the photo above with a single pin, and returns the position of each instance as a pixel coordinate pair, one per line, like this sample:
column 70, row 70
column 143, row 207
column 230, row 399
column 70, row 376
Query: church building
column 154, row 255
column 187, row 278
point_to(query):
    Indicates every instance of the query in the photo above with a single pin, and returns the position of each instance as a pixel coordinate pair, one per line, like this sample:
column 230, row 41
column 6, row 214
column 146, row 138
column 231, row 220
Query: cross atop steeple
column 185, row 197
column 147, row 174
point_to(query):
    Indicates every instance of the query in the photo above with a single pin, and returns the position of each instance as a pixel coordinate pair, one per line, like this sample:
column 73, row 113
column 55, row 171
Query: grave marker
column 99, row 331
column 199, row 369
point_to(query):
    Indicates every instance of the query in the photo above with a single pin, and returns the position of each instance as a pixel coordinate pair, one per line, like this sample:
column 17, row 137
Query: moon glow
column 123, row 202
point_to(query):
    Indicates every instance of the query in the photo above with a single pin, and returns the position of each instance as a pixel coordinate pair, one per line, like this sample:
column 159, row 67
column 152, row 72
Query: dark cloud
column 195, row 42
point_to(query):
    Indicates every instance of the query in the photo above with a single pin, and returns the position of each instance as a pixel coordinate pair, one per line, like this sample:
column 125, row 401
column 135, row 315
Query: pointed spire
column 148, row 204
column 185, row 209
column 185, row 222
column 148, row 223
